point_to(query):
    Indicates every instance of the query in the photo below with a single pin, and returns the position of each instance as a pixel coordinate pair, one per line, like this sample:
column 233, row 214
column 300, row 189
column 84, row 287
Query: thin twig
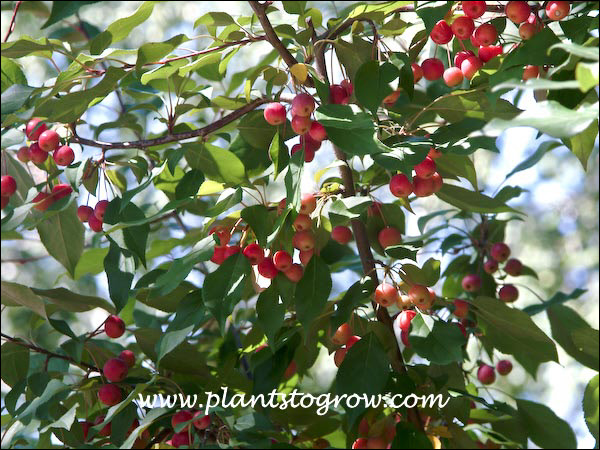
column 11, row 26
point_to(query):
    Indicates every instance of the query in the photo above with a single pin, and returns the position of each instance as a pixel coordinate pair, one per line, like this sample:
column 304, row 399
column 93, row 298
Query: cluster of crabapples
column 376, row 433
column 115, row 370
column 426, row 180
column 43, row 142
column 484, row 38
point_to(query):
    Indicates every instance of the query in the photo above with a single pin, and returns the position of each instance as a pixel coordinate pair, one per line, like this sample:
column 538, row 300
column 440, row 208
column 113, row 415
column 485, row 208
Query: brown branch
column 49, row 353
column 260, row 11
column 11, row 26
column 146, row 143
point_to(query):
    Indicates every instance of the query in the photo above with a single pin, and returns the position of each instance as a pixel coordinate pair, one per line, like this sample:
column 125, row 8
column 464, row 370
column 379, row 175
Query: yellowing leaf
column 300, row 72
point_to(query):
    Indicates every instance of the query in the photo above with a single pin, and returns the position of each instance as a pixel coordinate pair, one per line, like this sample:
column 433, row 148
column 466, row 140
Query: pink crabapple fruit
column 486, row 374
column 472, row 9
column 504, row 367
column 557, row 10
column 386, row 294
column 471, row 283
column 114, row 327
column 115, row 370
column 341, row 234
column 8, row 185
column 100, row 209
column 500, row 251
column 282, row 260
column 34, row 128
column 181, row 417
column 64, row 156
column 267, row 268
column 389, row 236
column 453, row 76
column 109, row 394
column 294, row 273
column 303, row 105
column 49, row 140
column 441, row 33
column 127, row 356
column 342, row 334
column 275, row 113
column 433, row 69
column 517, row 11
column 508, row 293
column 400, row 186
column 513, row 267
column 463, row 27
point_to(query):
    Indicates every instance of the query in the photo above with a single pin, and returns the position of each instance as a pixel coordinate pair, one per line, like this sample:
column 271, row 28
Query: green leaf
column 428, row 275
column 372, row 83
column 14, row 294
column 437, row 341
column 313, row 291
column 189, row 184
column 582, row 144
column 564, row 323
column 170, row 340
column 62, row 234
column 154, row 51
column 590, row 406
column 120, row 29
column 257, row 133
column 62, row 10
column 91, row 262
column 120, row 268
column 582, row 51
column 352, row 55
column 11, row 74
column 366, row 360
column 345, row 209
column 534, row 158
column 257, row 216
column 228, row 199
column 217, row 164
column 513, row 332
column 223, row 288
column 15, row 362
column 55, row 391
column 407, row 436
column 545, row 428
column 557, row 299
column 67, row 300
column 270, row 312
column 472, row 201
column 358, row 294
column 432, row 12
column 587, row 75
column 549, row 117
column 535, row 51
column 279, row 154
column 13, row 98
column 215, row 19
column 27, row 46
column 458, row 165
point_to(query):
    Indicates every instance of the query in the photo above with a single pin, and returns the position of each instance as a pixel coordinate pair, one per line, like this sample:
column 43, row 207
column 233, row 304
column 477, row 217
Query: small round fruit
column 4, row 202
column 305, row 256
column 339, row 355
column 106, row 429
column 433, row 69
column 231, row 250
column 64, row 156
column 341, row 234
column 386, row 294
column 513, row 267
column 527, row 31
column 504, row 367
column 531, row 72
column 389, row 236
column 128, row 356
column 308, row 142
column 461, row 308
column 218, row 256
column 490, row 266
column 392, row 98
column 426, row 168
column 34, row 128
column 342, row 334
column 114, row 327
column 405, row 319
column 461, row 56
column 303, row 240
column 301, row 124
column 84, row 212
column 508, row 293
column 437, row 182
column 110, row 394
column 181, row 417
column 223, row 235
column 202, row 421
column 348, row 87
column 403, row 302
column 282, row 260
column 37, row 155
column 100, row 209
column 353, row 340
column 49, row 140
column 463, row 27
column 486, row 374
column 517, row 11
column 61, row 190
column 470, row 66
column 338, row 95
column 557, row 10
column 275, row 113
column 488, row 53
column 404, row 338
column 308, row 204
column 42, row 201
column 417, row 72
column 254, row 252
column 423, row 187
column 115, row 370
column 317, row 131
column 23, row 154
column 8, row 185
column 181, row 439
column 294, row 273
column 500, row 251
column 302, row 222
column 309, row 153
column 473, row 10
column 471, row 283
column 453, row 76
column 95, row 223
column 303, row 105
column 267, row 268
column 419, row 295
column 290, row 371
column 486, row 34
column 400, row 186
column 441, row 33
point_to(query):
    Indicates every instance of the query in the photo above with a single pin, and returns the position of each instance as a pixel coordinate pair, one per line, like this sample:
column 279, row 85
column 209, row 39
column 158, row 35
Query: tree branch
column 260, row 11
column 146, row 143
column 49, row 353
column 11, row 26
